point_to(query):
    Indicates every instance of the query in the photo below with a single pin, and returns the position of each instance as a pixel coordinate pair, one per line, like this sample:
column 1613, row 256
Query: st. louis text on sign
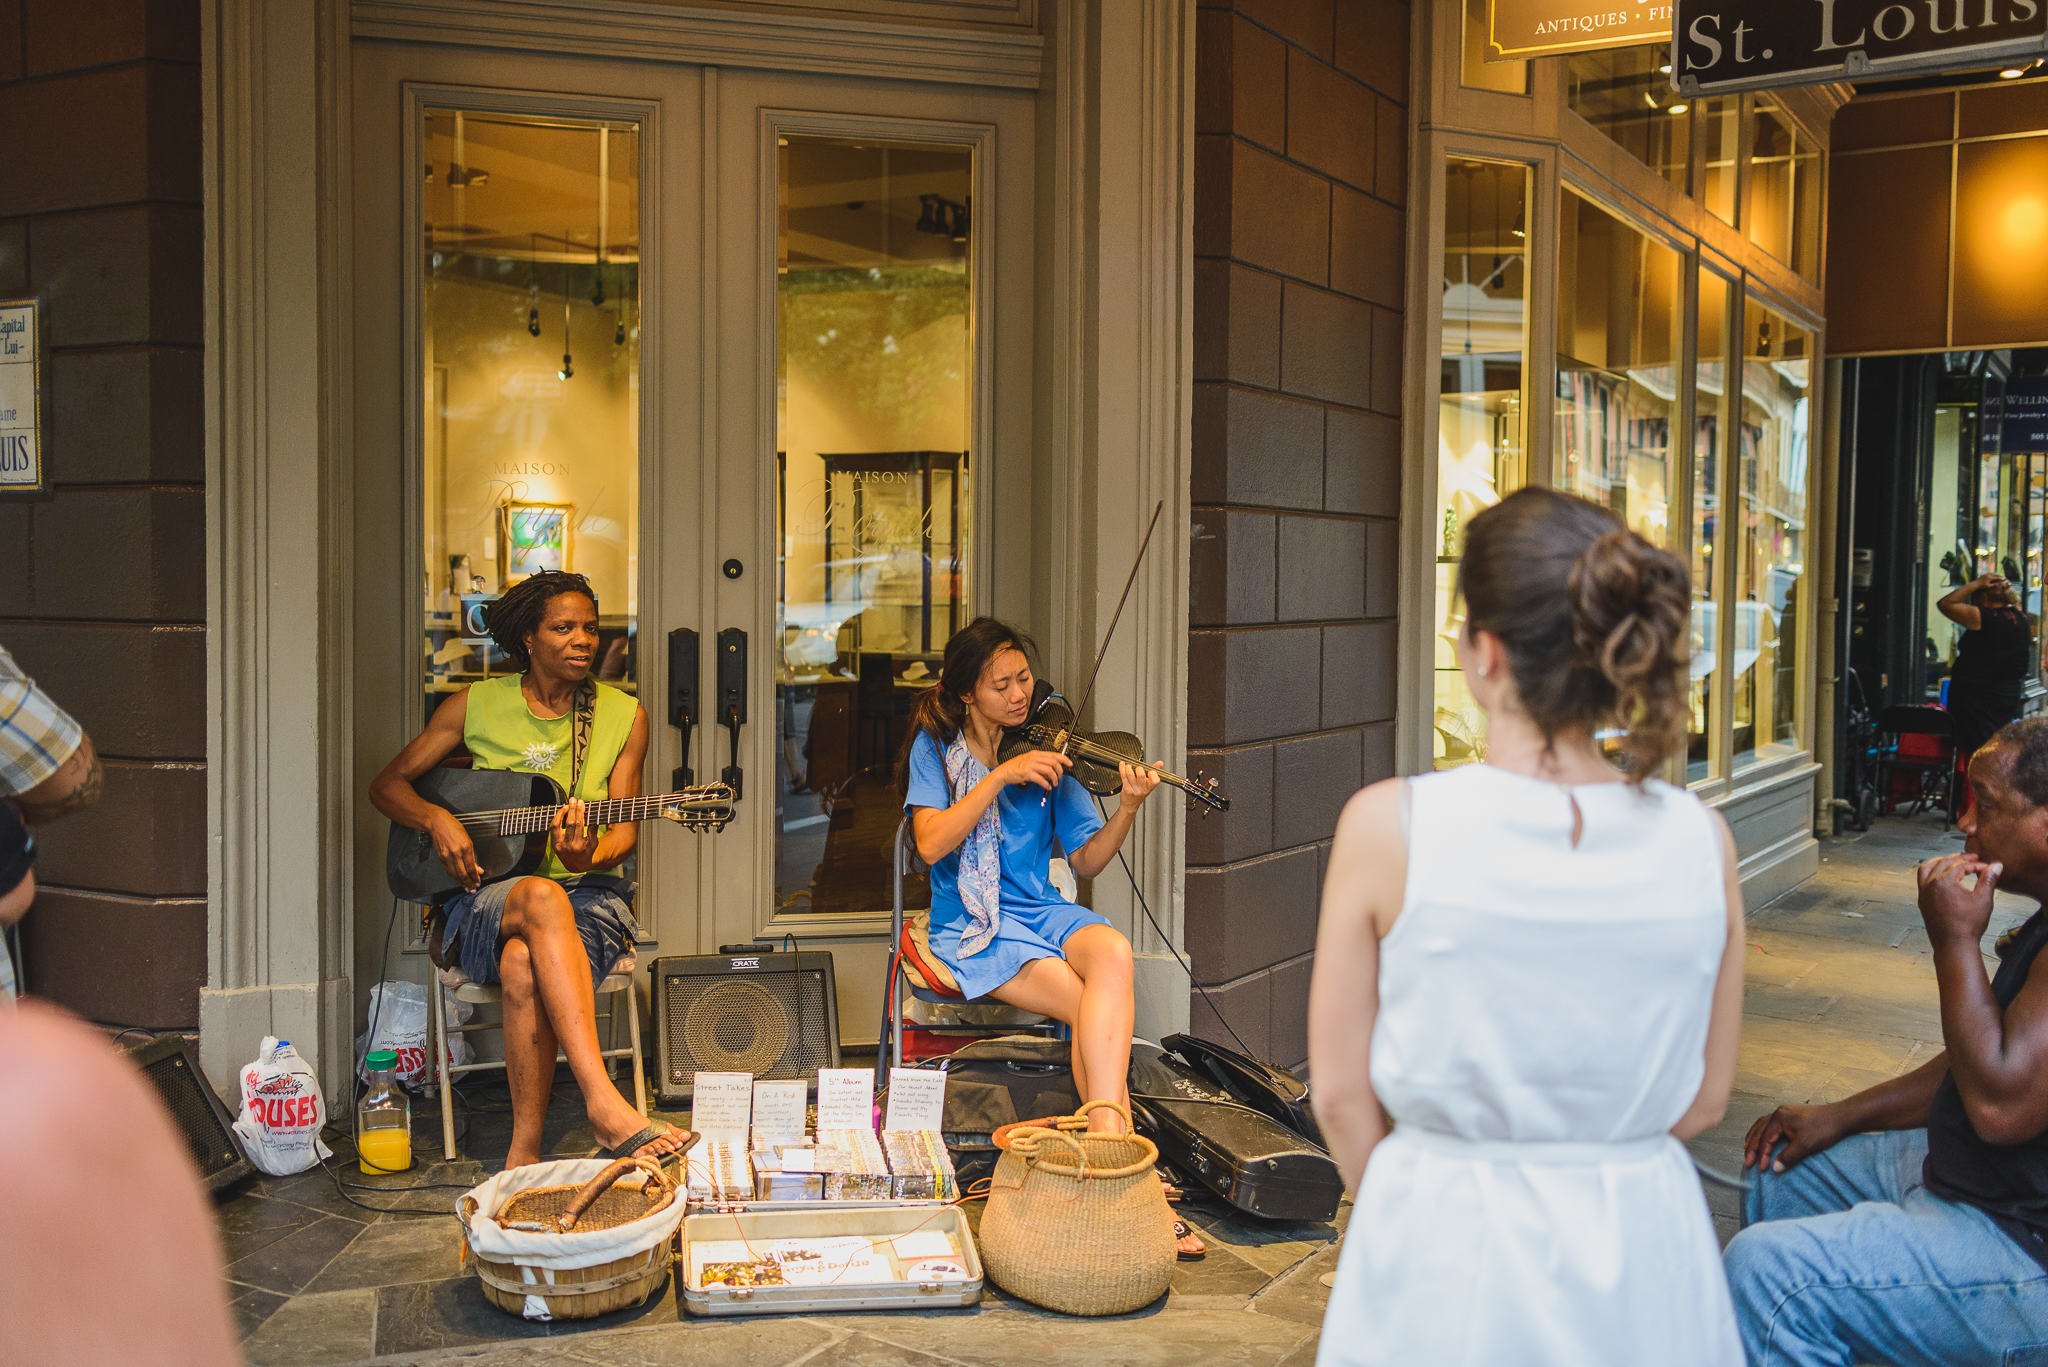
column 1520, row 29
column 1758, row 44
column 22, row 469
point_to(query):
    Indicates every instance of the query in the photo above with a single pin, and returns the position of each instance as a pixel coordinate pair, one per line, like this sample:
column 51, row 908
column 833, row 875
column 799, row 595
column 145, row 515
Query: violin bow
column 1089, row 692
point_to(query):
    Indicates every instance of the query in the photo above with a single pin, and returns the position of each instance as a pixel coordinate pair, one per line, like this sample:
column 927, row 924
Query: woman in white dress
column 1528, row 988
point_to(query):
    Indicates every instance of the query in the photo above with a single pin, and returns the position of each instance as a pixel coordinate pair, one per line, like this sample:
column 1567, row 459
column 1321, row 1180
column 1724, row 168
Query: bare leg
column 1048, row 987
column 530, row 1046
column 538, row 913
column 1102, row 1036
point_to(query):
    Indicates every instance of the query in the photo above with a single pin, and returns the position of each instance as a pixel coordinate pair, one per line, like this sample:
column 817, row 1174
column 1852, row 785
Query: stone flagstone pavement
column 1840, row 994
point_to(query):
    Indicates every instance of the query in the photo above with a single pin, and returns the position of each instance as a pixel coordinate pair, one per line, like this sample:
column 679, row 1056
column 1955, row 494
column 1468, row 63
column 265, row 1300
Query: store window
column 1771, row 592
column 1482, row 440
column 1720, row 165
column 1785, row 190
column 1626, row 93
column 531, row 343
column 874, row 405
column 1509, row 78
column 1620, row 336
column 1705, row 755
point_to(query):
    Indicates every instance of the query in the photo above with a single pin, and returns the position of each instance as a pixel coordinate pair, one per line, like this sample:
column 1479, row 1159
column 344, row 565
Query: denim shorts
column 604, row 918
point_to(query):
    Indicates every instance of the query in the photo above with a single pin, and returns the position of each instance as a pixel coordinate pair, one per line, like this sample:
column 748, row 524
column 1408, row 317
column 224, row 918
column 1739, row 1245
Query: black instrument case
column 1261, row 1086
column 1246, row 1157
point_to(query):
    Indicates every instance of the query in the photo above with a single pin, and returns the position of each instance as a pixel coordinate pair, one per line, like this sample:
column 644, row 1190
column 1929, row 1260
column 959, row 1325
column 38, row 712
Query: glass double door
column 725, row 344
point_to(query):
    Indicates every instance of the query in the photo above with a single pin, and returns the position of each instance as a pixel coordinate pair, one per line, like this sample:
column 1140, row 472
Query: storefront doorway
column 728, row 343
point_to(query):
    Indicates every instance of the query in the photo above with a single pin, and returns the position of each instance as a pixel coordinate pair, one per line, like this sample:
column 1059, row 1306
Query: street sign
column 24, row 401
column 1520, row 29
column 1760, row 44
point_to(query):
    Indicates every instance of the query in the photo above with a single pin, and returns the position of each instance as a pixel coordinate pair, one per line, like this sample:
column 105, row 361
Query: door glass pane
column 874, row 403
column 1510, row 78
column 1626, row 93
column 1949, row 525
column 1722, row 115
column 1482, row 447
column 1770, row 591
column 1705, row 756
column 1621, row 311
column 531, row 341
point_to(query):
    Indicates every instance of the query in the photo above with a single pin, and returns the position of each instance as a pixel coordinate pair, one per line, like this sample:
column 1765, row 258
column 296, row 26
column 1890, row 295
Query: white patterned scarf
column 981, row 871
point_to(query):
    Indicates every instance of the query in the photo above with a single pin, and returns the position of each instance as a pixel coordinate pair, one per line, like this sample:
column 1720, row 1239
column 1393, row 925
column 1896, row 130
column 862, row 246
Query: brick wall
column 1301, row 173
column 102, row 588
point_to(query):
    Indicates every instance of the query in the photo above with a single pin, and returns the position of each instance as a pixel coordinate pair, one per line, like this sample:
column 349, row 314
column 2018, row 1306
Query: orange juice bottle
column 383, row 1118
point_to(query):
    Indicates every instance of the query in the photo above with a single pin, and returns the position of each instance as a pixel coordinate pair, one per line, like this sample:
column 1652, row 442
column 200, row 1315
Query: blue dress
column 1036, row 920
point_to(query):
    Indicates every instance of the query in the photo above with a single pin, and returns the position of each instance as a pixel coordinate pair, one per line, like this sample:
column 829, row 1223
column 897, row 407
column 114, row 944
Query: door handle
column 732, row 698
column 682, row 697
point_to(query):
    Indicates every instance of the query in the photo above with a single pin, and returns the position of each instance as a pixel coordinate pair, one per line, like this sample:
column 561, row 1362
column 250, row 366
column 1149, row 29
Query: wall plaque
column 1521, row 29
column 24, row 400
column 1758, row 44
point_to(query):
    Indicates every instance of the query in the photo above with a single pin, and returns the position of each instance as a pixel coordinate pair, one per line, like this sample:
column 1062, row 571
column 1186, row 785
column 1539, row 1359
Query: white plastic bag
column 282, row 1111
column 400, row 1015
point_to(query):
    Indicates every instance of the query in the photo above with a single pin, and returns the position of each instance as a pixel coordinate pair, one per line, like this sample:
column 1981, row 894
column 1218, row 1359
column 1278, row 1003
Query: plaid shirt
column 36, row 735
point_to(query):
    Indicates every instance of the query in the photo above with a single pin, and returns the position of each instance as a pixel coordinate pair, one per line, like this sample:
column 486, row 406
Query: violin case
column 1245, row 1156
column 1260, row 1086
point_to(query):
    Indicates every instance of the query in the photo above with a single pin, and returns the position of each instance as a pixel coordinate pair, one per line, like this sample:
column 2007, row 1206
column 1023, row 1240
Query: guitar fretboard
column 612, row 811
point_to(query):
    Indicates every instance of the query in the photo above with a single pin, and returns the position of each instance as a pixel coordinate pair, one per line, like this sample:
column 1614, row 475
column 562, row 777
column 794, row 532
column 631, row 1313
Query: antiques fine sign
column 1520, row 29
column 23, row 400
column 1759, row 44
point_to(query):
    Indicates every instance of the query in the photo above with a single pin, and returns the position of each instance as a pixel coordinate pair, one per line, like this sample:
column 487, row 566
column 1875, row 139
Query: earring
column 1485, row 671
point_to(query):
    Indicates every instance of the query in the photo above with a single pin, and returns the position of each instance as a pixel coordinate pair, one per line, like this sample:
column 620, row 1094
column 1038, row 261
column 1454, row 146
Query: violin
column 1097, row 754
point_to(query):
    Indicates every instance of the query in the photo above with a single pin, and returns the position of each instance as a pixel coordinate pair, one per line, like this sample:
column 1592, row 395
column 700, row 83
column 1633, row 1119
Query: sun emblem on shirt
column 540, row 756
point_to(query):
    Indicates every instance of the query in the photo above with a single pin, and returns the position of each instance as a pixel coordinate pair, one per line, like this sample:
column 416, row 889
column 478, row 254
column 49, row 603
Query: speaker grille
column 771, row 1023
column 188, row 1098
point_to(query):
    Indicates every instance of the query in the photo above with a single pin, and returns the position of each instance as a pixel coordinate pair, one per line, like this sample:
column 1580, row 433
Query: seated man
column 1909, row 1223
column 549, row 939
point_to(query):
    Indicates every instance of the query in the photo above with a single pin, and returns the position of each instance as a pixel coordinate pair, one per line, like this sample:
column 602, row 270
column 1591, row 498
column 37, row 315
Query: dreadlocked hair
column 517, row 615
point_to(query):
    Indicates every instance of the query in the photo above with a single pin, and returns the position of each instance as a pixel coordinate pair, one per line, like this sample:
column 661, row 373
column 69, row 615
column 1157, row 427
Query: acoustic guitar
column 507, row 815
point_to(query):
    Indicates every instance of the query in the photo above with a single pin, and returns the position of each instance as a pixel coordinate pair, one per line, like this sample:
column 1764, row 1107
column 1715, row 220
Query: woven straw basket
column 1078, row 1223
column 598, row 1288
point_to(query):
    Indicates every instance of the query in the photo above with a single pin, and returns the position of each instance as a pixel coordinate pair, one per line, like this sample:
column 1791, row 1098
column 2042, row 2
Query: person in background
column 1908, row 1224
column 1533, row 965
column 1992, row 663
column 76, row 1118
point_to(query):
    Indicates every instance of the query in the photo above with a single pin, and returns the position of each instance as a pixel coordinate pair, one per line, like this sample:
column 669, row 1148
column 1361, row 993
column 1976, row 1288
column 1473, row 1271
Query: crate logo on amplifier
column 738, row 964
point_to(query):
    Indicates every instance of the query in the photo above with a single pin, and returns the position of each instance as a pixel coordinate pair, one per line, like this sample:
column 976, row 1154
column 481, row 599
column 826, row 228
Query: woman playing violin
column 986, row 826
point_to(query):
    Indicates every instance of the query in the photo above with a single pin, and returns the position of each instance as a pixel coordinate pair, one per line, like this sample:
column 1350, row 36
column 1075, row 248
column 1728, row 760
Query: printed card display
column 846, row 1099
column 799, row 1160
column 923, row 1243
column 721, row 1104
column 779, row 1111
column 917, row 1099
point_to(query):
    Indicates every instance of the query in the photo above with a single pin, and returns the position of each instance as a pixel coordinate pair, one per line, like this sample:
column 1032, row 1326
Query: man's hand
column 458, row 853
column 575, row 841
column 1951, row 910
column 1802, row 1130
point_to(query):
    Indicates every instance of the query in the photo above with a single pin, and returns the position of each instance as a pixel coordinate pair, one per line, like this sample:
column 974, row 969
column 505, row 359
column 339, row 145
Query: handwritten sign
column 779, row 1110
column 720, row 1104
column 846, row 1098
column 917, row 1099
column 22, row 467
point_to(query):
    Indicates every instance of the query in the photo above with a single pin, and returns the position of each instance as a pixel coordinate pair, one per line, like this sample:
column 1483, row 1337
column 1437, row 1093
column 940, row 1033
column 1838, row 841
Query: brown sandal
column 1188, row 1245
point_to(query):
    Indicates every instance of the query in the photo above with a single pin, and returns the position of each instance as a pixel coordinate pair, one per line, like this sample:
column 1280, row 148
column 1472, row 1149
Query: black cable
column 1166, row 940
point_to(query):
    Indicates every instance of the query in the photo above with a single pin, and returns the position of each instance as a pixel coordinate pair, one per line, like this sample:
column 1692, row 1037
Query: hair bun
column 1631, row 621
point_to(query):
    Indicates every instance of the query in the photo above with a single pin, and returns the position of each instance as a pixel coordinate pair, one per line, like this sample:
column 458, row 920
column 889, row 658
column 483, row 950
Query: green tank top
column 502, row 732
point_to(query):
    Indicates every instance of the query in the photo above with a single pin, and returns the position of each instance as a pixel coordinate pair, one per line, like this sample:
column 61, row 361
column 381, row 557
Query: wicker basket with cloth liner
column 1078, row 1222
column 575, row 1248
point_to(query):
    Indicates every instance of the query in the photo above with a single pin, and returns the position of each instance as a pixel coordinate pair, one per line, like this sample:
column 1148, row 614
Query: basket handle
column 1029, row 1144
column 598, row 1185
column 1122, row 1110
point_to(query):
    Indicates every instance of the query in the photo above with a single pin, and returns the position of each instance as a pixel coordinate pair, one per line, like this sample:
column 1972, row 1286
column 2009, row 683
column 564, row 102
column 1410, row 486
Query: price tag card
column 779, row 1111
column 846, row 1098
column 720, row 1104
column 922, row 1243
column 799, row 1160
column 917, row 1099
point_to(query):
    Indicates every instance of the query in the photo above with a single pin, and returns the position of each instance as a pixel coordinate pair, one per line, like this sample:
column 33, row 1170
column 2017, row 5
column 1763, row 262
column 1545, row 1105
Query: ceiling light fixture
column 2012, row 73
column 1680, row 108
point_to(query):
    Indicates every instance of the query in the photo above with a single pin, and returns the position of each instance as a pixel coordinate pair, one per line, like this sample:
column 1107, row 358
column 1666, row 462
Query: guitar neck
column 614, row 811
